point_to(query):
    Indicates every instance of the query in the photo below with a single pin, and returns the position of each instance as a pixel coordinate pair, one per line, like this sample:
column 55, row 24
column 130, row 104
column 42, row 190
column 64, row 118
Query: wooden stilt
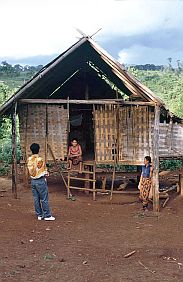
column 113, row 177
column 104, row 179
column 68, row 185
column 94, row 178
column 46, row 135
column 112, row 184
column 25, row 169
column 155, row 183
column 14, row 152
column 181, row 184
column 139, row 168
column 87, row 183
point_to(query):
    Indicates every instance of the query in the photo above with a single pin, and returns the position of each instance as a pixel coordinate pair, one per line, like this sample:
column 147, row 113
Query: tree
column 7, row 68
column 170, row 64
column 18, row 69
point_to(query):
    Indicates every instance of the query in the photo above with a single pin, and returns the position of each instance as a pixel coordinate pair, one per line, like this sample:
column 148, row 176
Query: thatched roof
column 48, row 81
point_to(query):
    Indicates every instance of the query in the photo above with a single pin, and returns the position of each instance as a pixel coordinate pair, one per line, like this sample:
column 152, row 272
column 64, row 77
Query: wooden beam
column 14, row 152
column 88, row 102
column 155, row 182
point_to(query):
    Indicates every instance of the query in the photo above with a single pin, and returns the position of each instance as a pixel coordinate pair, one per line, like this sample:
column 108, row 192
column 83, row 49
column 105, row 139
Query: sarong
column 75, row 160
column 145, row 187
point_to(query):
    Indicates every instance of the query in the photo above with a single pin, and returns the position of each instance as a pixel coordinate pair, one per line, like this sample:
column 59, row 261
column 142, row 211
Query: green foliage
column 119, row 168
column 5, row 92
column 6, row 152
column 170, row 164
column 166, row 84
column 5, row 129
column 7, row 69
column 4, row 169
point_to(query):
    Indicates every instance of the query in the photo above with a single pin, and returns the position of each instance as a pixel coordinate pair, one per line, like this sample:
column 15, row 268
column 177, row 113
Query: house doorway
column 81, row 127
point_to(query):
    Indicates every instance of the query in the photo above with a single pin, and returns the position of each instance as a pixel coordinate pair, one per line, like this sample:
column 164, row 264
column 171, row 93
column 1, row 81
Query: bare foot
column 146, row 210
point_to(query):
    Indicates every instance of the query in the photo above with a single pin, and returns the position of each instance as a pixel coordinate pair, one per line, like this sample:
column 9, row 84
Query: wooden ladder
column 89, row 170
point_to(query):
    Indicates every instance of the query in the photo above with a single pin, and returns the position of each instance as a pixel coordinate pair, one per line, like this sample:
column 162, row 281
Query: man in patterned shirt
column 38, row 171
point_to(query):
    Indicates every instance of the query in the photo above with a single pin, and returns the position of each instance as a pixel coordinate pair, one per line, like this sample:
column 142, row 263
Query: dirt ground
column 88, row 240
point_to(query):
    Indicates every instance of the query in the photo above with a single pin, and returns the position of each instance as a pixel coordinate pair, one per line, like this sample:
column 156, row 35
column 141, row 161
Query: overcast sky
column 133, row 31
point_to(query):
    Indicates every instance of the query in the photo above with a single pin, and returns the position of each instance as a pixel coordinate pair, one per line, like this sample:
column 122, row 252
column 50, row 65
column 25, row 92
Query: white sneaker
column 49, row 218
column 39, row 218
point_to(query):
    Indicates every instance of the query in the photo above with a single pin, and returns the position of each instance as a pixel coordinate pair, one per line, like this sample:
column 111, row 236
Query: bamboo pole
column 181, row 184
column 91, row 101
column 46, row 134
column 94, row 180
column 94, row 131
column 25, row 169
column 14, row 152
column 107, row 190
column 113, row 177
column 155, row 184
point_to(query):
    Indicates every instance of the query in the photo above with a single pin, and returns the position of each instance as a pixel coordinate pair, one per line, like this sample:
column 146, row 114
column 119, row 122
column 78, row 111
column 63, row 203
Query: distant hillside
column 165, row 82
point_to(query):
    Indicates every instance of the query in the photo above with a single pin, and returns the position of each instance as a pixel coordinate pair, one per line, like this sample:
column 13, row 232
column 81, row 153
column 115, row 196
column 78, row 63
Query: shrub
column 170, row 164
column 6, row 152
column 4, row 169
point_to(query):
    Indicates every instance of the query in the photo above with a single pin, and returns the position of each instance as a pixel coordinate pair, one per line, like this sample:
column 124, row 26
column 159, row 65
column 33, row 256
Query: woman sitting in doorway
column 75, row 154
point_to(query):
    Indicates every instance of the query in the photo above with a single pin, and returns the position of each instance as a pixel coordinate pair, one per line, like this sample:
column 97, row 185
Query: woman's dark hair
column 74, row 139
column 35, row 148
column 148, row 158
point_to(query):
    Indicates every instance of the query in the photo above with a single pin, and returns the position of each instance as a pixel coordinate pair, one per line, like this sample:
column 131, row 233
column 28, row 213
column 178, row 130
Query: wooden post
column 94, row 178
column 181, row 184
column 87, row 183
column 68, row 125
column 104, row 179
column 14, row 152
column 113, row 177
column 46, row 135
column 25, row 168
column 94, row 131
column 155, row 182
column 139, row 172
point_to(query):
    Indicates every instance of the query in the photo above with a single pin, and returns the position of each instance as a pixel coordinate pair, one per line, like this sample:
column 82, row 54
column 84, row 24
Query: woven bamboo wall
column 171, row 140
column 105, row 121
column 125, row 132
column 32, row 128
column 134, row 133
column 132, row 127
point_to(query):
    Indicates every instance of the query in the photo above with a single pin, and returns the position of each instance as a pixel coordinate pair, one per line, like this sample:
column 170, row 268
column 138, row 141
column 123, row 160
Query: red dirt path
column 88, row 240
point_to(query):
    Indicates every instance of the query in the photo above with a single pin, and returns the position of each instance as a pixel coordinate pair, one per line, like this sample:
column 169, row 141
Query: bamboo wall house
column 85, row 93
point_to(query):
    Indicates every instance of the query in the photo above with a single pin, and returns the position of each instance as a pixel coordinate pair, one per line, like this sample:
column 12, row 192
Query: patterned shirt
column 36, row 166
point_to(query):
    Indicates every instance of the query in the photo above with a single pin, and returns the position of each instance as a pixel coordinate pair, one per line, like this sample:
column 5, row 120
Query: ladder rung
column 88, row 164
column 85, row 179
column 82, row 188
column 85, row 171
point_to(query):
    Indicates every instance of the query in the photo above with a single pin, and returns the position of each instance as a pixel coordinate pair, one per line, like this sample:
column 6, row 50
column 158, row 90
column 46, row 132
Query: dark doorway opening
column 82, row 128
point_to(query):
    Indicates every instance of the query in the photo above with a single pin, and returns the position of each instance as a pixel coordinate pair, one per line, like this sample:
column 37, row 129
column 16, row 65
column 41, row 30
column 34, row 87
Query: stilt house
column 85, row 93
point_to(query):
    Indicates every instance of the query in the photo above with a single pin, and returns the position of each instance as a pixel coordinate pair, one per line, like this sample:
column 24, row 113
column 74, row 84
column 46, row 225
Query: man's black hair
column 148, row 158
column 35, row 148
